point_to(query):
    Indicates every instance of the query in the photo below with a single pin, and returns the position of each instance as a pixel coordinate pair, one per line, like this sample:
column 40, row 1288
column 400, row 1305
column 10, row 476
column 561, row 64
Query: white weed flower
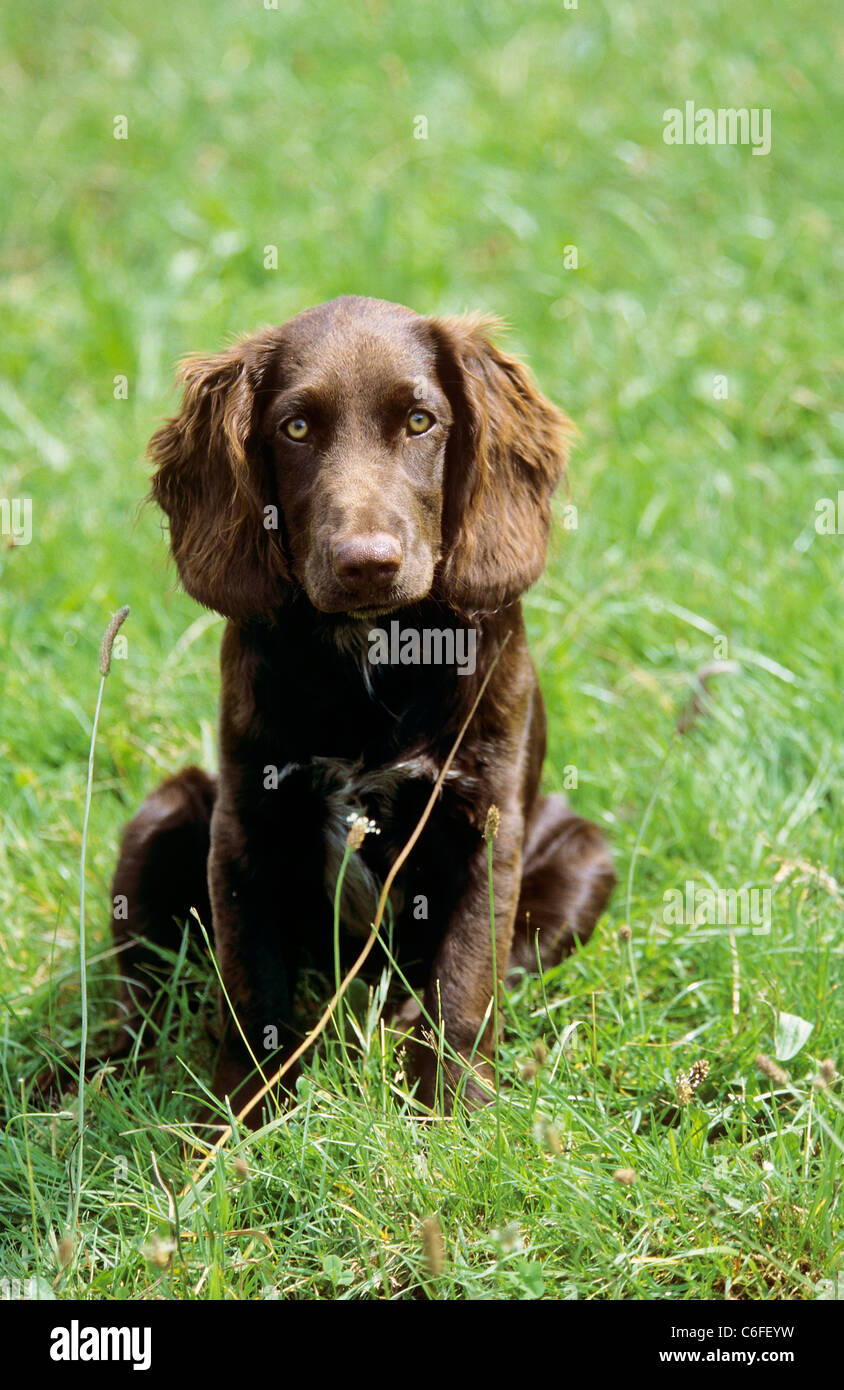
column 359, row 827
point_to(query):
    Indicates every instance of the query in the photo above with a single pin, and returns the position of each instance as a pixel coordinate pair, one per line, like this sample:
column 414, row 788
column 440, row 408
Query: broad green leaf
column 792, row 1034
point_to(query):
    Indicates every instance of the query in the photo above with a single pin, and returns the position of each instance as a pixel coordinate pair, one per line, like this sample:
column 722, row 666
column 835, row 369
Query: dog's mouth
column 365, row 615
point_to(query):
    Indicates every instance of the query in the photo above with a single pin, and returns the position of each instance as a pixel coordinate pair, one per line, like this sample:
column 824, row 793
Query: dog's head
column 364, row 454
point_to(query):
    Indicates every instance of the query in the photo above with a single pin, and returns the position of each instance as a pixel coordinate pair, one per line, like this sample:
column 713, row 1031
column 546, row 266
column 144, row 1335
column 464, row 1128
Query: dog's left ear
column 506, row 454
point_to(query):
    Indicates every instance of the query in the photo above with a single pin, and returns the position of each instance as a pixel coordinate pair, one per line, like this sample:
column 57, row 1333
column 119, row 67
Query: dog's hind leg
column 161, row 874
column 567, row 879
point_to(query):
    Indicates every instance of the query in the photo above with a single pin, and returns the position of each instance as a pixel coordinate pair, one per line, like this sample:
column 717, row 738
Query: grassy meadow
column 175, row 175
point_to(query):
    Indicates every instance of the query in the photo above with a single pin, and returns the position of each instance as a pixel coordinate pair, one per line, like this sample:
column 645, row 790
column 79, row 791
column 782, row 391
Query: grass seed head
column 108, row 640
column 64, row 1250
column 433, row 1247
column 687, row 1082
column 553, row 1140
column 771, row 1069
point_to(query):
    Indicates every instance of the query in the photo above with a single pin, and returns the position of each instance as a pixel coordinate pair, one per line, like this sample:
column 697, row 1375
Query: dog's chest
column 371, row 812
column 368, row 754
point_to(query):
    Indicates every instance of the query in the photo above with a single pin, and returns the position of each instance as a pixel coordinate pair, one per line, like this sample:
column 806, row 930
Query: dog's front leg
column 258, row 946
column 459, row 996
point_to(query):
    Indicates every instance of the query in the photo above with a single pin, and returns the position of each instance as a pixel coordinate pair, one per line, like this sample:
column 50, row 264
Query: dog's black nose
column 367, row 563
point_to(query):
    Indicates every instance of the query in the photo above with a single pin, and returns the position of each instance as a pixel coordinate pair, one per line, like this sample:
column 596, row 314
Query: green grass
column 251, row 128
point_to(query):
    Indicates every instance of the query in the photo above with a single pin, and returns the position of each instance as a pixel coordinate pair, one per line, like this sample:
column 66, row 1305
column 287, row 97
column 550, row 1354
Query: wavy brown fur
column 360, row 466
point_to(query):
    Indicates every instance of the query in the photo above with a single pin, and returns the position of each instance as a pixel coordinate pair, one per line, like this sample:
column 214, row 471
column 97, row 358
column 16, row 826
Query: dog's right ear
column 211, row 483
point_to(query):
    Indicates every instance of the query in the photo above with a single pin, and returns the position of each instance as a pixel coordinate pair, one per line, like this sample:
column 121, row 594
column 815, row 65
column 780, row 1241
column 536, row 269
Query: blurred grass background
column 250, row 128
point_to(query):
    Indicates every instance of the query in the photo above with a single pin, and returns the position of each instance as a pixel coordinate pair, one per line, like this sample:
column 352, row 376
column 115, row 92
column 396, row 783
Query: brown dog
column 365, row 494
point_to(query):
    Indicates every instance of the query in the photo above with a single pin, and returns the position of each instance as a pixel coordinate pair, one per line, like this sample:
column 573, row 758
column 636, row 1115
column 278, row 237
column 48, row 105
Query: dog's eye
column 419, row 421
column 297, row 428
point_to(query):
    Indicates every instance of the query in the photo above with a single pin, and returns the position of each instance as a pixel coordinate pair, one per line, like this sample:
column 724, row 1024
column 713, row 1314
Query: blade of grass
column 111, row 632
